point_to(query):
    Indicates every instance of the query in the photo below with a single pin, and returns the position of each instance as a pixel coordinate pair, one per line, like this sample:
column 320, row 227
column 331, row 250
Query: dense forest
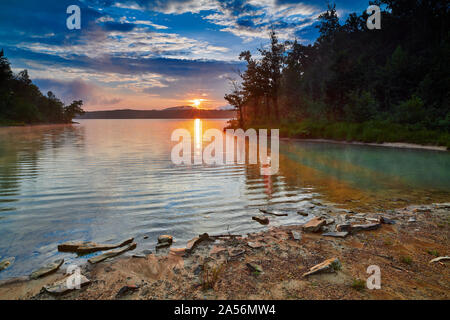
column 21, row 102
column 382, row 85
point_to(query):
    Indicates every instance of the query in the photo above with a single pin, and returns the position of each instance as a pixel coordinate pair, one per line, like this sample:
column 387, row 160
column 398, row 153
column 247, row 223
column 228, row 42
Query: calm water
column 106, row 180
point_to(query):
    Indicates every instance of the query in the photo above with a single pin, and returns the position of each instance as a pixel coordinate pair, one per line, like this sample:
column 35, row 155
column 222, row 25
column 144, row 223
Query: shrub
column 358, row 284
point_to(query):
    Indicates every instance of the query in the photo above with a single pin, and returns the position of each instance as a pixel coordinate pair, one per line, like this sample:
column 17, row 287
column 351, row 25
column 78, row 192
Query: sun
column 197, row 102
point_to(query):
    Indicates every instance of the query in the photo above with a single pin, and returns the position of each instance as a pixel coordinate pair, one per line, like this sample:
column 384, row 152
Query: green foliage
column 406, row 259
column 360, row 106
column 210, row 275
column 358, row 284
column 21, row 102
column 410, row 111
column 355, row 84
column 434, row 253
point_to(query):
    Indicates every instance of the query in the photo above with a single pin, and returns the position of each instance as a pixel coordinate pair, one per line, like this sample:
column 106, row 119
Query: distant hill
column 183, row 112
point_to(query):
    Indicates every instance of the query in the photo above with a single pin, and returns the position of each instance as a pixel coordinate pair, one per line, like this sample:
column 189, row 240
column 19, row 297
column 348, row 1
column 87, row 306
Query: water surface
column 106, row 180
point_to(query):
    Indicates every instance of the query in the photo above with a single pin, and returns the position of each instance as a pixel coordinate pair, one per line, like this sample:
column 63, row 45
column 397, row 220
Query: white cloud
column 138, row 43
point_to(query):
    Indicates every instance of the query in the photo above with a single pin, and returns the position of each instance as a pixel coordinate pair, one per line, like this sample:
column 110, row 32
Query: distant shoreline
column 183, row 113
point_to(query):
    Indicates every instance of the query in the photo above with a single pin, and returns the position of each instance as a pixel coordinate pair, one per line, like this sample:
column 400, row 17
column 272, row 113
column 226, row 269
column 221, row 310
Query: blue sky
column 148, row 54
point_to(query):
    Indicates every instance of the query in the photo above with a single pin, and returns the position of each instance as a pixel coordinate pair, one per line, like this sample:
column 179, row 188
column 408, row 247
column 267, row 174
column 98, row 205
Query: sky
column 149, row 54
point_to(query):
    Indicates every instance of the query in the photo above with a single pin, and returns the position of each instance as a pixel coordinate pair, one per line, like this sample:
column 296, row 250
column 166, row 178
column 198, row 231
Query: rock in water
column 84, row 247
column 330, row 265
column 314, row 225
column 112, row 253
column 165, row 239
column 262, row 220
column 274, row 213
column 160, row 246
column 46, row 270
column 302, row 213
column 7, row 262
column 66, row 285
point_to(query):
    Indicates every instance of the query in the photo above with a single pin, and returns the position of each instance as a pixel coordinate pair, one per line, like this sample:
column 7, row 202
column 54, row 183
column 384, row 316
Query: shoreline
column 37, row 124
column 271, row 264
column 399, row 145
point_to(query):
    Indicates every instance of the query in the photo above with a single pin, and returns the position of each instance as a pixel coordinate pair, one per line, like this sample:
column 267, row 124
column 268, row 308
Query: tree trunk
column 275, row 105
column 241, row 117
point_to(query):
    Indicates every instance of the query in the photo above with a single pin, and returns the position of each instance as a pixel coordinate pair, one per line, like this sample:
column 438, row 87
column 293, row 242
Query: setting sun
column 197, row 102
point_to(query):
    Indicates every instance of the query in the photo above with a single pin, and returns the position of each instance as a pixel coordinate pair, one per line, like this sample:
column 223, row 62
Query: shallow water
column 106, row 180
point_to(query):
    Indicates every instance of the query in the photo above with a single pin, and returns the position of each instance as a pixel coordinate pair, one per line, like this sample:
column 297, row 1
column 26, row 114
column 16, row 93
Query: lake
column 107, row 180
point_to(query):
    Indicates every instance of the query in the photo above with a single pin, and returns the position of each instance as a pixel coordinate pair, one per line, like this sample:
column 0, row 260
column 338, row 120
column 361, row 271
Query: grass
column 406, row 259
column 358, row 284
column 336, row 266
column 256, row 273
column 434, row 253
column 210, row 275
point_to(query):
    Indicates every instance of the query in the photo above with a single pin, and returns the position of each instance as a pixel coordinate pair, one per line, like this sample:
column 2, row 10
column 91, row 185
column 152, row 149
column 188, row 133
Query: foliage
column 358, row 284
column 210, row 275
column 21, row 102
column 354, row 83
column 406, row 259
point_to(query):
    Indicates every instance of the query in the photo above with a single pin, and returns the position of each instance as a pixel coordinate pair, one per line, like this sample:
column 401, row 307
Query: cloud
column 249, row 20
column 143, row 53
column 78, row 89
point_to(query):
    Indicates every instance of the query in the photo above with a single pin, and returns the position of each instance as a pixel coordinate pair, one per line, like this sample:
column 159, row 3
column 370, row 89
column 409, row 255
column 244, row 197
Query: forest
column 22, row 103
column 352, row 83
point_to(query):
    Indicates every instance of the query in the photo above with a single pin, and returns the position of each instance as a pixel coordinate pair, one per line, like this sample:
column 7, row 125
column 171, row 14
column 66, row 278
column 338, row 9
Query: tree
column 273, row 63
column 255, row 84
column 236, row 99
column 22, row 102
column 398, row 75
column 73, row 110
column 328, row 24
column 5, row 68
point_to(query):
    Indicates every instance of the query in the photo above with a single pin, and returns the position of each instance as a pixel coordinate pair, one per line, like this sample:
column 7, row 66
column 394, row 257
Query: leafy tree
column 22, row 102
column 73, row 110
column 398, row 75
